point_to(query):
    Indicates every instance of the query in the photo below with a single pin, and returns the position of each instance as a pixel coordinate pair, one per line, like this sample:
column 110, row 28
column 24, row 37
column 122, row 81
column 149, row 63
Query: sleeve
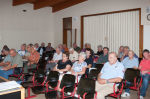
column 69, row 63
column 121, row 71
column 102, row 71
column 85, row 64
column 141, row 64
column 136, row 62
column 18, row 62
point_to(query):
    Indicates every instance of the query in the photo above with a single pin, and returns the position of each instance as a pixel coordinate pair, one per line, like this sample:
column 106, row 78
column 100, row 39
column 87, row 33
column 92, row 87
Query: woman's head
column 82, row 56
column 146, row 54
column 65, row 56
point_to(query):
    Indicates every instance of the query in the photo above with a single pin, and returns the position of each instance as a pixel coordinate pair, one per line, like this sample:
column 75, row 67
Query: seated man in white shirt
column 73, row 55
column 52, row 63
column 112, row 72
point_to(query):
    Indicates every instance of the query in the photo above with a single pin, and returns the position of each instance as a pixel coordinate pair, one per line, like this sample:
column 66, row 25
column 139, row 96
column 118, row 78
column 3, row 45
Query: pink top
column 145, row 65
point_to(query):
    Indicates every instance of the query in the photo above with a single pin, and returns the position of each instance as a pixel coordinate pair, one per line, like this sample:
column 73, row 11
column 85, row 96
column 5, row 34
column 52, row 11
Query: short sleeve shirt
column 17, row 60
column 145, row 65
column 7, row 59
column 89, row 60
column 130, row 63
column 62, row 65
column 112, row 71
column 77, row 67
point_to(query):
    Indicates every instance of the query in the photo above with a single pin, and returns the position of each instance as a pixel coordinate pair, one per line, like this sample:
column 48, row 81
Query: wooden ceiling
column 56, row 5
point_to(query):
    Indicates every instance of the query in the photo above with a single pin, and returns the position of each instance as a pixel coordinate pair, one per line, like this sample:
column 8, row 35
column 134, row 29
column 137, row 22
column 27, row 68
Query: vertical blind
column 113, row 30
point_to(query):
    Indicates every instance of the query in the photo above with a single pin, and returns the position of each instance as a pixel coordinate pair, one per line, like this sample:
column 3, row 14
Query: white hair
column 71, row 49
column 83, row 55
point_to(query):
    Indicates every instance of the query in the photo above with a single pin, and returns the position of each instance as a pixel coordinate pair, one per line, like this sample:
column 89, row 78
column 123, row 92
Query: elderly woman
column 129, row 62
column 99, row 50
column 79, row 67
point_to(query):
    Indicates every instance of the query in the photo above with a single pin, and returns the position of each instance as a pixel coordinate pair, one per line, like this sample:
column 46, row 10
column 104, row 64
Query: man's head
column 23, row 47
column 112, row 58
column 42, row 44
column 88, row 52
column 6, row 51
column 49, row 45
column 13, row 52
column 36, row 45
column 74, row 45
column 100, row 47
column 146, row 54
column 105, row 50
column 121, row 48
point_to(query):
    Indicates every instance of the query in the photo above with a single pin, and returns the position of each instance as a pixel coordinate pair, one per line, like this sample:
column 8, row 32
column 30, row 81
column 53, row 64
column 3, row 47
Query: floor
column 133, row 95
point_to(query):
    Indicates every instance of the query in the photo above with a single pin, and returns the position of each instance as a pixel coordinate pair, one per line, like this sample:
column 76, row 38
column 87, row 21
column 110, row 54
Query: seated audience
column 100, row 50
column 79, row 67
column 7, row 59
column 52, row 63
column 104, row 57
column 49, row 48
column 112, row 72
column 88, row 45
column 145, row 72
column 60, row 46
column 125, row 53
column 33, row 58
column 76, row 48
column 36, row 46
column 2, row 53
column 42, row 49
column 22, row 51
column 16, row 61
column 120, row 52
column 73, row 55
column 129, row 62
column 63, row 65
column 89, row 59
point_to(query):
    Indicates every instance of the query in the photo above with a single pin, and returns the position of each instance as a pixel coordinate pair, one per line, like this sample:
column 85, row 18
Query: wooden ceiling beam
column 46, row 3
column 19, row 2
column 67, row 4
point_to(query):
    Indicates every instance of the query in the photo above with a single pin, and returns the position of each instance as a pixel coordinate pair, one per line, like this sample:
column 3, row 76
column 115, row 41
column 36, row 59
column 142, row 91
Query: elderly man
column 52, row 63
column 73, row 55
column 33, row 58
column 104, row 57
column 16, row 61
column 112, row 72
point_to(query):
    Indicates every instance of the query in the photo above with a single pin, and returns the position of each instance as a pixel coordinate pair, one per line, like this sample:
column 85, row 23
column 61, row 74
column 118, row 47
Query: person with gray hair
column 79, row 67
column 73, row 55
column 99, row 50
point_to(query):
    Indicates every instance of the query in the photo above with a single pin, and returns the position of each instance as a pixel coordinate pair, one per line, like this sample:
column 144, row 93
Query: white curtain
column 113, row 30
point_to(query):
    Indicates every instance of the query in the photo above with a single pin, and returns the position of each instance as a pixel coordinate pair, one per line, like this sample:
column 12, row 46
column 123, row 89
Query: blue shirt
column 112, row 71
column 77, row 67
column 130, row 63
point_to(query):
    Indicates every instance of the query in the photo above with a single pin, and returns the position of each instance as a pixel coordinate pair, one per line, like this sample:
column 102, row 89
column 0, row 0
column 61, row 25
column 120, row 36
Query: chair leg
column 29, row 94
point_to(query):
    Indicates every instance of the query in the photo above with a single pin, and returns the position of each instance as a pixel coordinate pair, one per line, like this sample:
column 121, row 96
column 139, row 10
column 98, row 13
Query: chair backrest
column 93, row 74
column 68, row 81
column 87, row 86
column 99, row 67
column 40, row 76
column 132, row 74
column 18, row 70
column 53, row 78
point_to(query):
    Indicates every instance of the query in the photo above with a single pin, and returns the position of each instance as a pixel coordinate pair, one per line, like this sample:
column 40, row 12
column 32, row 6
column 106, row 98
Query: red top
column 145, row 65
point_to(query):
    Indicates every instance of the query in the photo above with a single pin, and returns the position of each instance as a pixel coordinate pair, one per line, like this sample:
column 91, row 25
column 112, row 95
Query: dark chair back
column 99, row 67
column 40, row 76
column 53, row 78
column 132, row 74
column 68, row 81
column 87, row 86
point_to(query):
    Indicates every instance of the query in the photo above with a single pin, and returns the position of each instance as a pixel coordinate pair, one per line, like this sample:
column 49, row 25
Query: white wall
column 146, row 41
column 93, row 7
column 17, row 27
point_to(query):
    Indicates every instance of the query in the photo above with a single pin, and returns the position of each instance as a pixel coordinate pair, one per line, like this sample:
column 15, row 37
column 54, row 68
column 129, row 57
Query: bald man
column 16, row 61
column 112, row 72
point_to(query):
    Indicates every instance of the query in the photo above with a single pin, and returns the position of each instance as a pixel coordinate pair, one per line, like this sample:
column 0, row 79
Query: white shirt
column 21, row 53
column 73, row 56
column 57, row 56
